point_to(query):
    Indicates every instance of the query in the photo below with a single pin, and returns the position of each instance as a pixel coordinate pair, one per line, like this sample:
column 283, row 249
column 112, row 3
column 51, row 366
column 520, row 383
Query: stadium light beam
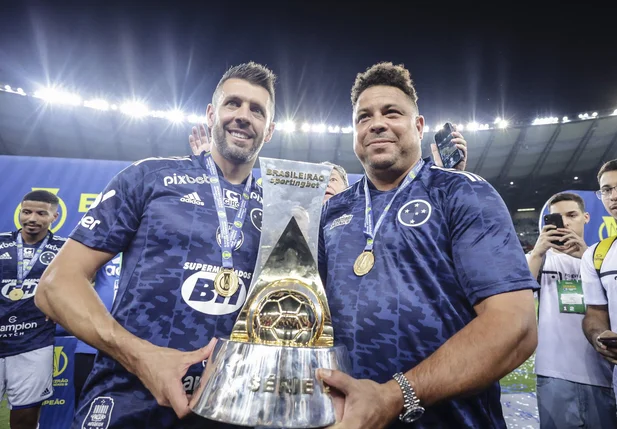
column 134, row 109
column 473, row 126
column 97, row 104
column 57, row 96
column 306, row 127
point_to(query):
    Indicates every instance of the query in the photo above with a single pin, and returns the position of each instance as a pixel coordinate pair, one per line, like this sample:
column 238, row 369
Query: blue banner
column 57, row 411
column 76, row 183
column 601, row 225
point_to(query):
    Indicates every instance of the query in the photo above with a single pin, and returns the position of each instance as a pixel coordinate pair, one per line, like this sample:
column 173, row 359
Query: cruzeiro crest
column 415, row 213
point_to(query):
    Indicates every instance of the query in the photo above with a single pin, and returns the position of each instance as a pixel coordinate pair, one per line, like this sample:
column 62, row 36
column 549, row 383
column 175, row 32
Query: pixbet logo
column 185, row 180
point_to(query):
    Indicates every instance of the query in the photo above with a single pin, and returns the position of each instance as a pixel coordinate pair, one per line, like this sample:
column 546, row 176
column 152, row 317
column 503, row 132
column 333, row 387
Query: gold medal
column 226, row 282
column 364, row 263
column 16, row 294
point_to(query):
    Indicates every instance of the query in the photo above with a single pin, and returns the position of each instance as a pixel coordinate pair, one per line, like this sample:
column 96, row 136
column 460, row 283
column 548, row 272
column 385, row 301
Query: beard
column 233, row 153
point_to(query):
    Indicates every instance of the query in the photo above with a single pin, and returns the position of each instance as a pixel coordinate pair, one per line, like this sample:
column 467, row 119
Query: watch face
column 413, row 415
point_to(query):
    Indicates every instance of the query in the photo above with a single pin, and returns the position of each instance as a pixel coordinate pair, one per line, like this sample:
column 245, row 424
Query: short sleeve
column 593, row 290
column 487, row 254
column 114, row 217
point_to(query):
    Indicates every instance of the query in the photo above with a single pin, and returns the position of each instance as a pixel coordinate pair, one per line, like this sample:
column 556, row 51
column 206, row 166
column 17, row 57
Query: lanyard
column 228, row 237
column 24, row 270
column 369, row 231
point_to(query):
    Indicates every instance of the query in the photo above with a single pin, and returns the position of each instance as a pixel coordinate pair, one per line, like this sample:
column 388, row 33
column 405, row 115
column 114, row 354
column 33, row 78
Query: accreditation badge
column 570, row 294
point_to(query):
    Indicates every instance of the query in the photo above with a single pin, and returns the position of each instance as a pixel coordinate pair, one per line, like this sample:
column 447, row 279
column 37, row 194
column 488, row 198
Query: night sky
column 469, row 62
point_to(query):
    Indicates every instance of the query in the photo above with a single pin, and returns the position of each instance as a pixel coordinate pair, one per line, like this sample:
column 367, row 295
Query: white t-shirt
column 602, row 290
column 563, row 350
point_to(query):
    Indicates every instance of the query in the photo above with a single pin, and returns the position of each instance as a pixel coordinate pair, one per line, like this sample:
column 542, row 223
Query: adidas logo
column 5, row 255
column 46, row 392
column 192, row 198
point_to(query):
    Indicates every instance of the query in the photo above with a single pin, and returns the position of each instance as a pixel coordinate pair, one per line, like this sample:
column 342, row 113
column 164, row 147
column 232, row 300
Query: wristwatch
column 412, row 410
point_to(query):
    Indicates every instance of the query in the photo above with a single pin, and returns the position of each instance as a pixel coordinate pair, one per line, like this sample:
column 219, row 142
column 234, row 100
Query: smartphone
column 557, row 220
column 450, row 154
column 608, row 341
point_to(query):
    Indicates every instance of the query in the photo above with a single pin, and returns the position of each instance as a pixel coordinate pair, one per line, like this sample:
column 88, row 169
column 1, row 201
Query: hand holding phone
column 556, row 220
column 449, row 153
column 610, row 342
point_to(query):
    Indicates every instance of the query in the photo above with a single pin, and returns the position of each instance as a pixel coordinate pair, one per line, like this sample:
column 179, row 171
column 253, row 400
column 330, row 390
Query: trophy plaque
column 265, row 373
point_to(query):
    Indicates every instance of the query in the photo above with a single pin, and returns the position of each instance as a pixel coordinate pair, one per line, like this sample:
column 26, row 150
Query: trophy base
column 251, row 384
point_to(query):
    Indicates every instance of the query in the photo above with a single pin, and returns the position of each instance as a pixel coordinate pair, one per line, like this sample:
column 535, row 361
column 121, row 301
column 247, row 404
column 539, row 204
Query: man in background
column 27, row 336
column 574, row 383
column 598, row 268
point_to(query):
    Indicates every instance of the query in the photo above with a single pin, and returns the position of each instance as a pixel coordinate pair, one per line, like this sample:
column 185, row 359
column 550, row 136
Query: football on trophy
column 285, row 318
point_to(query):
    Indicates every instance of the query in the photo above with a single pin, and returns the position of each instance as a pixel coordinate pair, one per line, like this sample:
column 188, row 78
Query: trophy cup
column 265, row 374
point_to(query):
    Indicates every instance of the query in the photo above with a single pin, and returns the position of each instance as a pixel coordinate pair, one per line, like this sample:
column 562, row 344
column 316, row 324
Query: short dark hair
column 386, row 74
column 253, row 73
column 608, row 166
column 42, row 196
column 568, row 196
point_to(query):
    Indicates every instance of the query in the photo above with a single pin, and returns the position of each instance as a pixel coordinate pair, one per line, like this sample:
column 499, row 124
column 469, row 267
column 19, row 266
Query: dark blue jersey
column 446, row 243
column 23, row 327
column 160, row 214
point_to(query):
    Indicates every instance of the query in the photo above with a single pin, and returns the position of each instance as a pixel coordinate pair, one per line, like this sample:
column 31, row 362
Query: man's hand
column 161, row 369
column 609, row 353
column 545, row 240
column 366, row 404
column 574, row 244
column 198, row 140
column 460, row 143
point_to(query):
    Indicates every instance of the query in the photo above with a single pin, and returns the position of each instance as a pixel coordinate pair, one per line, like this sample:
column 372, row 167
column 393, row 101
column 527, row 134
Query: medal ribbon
column 369, row 232
column 24, row 270
column 228, row 237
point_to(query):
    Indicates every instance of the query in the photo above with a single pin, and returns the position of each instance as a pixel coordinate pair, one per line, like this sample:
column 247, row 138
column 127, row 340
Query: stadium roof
column 526, row 164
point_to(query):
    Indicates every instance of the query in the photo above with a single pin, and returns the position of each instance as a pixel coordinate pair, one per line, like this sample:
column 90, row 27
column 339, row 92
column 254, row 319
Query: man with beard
column 26, row 336
column 598, row 268
column 188, row 229
column 427, row 281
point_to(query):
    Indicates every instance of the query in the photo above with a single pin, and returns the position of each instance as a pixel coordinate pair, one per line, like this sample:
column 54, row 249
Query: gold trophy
column 265, row 374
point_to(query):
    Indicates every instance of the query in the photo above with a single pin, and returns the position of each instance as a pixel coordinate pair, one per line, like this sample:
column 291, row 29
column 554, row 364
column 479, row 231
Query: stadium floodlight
column 20, row 91
column 583, row 116
column 114, row 107
column 57, row 96
column 497, row 120
column 460, row 127
column 545, row 121
column 473, row 126
column 503, row 124
column 97, row 104
column 334, row 130
column 485, row 127
column 511, row 183
column 176, row 116
column 614, row 113
column 134, row 109
column 594, row 114
column 195, row 119
column 8, row 88
column 306, row 127
column 319, row 128
column 287, row 126
column 426, row 128
column 347, row 130
column 575, row 177
column 565, row 120
column 526, row 209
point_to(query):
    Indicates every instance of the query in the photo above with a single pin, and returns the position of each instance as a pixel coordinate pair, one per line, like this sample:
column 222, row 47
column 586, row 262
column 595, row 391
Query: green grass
column 521, row 379
column 4, row 415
